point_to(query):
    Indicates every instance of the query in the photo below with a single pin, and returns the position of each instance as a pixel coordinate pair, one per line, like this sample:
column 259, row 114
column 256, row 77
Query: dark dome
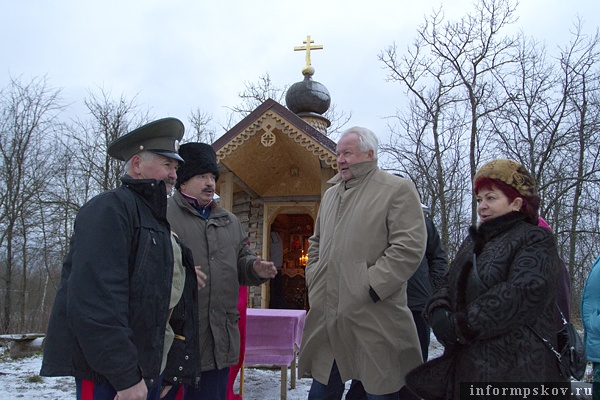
column 308, row 96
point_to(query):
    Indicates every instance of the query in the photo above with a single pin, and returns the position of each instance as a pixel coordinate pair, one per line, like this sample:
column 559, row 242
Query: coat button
column 187, row 357
column 181, row 368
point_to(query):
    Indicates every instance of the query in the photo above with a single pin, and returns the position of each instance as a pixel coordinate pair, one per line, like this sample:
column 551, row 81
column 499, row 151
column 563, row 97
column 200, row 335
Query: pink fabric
column 272, row 334
column 542, row 222
column 234, row 370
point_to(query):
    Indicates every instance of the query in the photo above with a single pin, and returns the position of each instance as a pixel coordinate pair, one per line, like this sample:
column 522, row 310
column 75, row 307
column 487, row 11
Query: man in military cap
column 122, row 275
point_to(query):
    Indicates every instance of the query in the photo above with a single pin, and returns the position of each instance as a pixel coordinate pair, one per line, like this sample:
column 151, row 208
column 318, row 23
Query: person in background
column 429, row 276
column 369, row 239
column 563, row 288
column 220, row 246
column 590, row 317
column 123, row 274
column 276, row 295
column 500, row 296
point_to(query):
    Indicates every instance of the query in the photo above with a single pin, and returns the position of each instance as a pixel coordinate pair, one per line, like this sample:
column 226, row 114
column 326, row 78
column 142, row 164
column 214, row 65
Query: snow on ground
column 19, row 380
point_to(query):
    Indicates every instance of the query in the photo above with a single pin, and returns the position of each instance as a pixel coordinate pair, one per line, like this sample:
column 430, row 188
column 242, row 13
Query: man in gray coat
column 368, row 241
column 220, row 247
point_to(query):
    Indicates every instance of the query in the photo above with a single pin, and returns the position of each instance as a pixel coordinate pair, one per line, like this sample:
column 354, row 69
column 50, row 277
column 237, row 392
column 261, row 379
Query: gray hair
column 146, row 155
column 367, row 140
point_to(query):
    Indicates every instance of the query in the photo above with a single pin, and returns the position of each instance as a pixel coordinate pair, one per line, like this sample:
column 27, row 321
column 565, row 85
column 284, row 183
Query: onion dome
column 308, row 95
column 309, row 99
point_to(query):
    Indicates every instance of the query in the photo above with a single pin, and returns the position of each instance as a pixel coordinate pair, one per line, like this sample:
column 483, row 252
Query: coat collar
column 215, row 209
column 152, row 191
column 494, row 227
column 359, row 170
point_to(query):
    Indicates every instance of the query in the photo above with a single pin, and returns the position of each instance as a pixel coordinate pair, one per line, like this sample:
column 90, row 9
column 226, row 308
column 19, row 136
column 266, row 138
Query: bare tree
column 527, row 129
column 449, row 76
column 426, row 143
column 474, row 49
column 28, row 112
column 338, row 120
column 88, row 139
column 202, row 131
column 579, row 64
column 257, row 93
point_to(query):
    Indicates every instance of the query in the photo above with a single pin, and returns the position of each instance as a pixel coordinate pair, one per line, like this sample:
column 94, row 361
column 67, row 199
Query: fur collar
column 494, row 227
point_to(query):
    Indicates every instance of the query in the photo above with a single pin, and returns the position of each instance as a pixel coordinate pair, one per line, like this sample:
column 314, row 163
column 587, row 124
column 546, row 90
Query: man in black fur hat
column 220, row 246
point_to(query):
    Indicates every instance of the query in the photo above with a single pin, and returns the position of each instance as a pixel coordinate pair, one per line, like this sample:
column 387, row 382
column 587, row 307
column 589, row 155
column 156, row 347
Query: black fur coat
column 495, row 303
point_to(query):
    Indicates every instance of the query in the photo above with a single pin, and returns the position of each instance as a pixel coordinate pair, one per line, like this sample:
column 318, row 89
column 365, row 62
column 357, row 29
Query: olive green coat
column 370, row 232
column 220, row 247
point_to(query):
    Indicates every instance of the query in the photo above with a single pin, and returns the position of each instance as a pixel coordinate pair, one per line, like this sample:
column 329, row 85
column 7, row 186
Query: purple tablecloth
column 272, row 334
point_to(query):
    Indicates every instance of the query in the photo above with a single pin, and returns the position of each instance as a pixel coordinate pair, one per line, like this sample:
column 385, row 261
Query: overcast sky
column 178, row 55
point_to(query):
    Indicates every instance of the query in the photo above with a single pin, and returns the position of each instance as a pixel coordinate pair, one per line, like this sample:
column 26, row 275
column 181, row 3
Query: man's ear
column 136, row 161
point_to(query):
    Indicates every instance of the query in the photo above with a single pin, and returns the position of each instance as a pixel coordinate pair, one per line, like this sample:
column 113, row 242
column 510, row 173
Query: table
column 273, row 337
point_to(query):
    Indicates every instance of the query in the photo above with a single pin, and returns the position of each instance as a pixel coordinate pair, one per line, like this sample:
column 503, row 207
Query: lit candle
column 303, row 258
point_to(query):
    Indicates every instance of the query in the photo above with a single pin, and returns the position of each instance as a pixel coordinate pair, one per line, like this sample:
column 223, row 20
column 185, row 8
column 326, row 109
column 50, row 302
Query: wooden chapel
column 274, row 166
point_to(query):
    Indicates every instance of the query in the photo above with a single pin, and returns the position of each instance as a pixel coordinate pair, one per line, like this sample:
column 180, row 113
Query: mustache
column 170, row 181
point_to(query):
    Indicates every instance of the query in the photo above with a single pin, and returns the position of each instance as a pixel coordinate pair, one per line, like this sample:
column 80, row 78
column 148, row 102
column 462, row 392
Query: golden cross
column 308, row 48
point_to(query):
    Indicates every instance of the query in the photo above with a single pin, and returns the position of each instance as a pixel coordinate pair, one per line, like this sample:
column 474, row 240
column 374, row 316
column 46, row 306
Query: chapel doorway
column 289, row 235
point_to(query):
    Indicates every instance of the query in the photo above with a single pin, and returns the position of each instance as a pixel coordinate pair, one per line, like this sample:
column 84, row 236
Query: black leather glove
column 443, row 327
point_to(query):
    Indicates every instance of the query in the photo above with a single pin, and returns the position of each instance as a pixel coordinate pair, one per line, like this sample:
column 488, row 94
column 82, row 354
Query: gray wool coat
column 369, row 233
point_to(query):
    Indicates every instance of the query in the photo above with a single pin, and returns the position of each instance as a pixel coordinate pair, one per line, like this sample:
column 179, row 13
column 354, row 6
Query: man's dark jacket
column 110, row 313
column 431, row 272
column 183, row 360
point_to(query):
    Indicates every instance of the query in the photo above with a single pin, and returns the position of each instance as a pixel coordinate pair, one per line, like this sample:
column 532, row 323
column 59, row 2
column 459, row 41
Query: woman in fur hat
column 501, row 293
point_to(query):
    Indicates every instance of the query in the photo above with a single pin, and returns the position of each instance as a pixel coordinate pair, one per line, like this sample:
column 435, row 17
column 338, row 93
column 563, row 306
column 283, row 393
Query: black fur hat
column 199, row 158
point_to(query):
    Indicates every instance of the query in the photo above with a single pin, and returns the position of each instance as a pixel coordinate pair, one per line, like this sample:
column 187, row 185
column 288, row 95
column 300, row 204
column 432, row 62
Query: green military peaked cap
column 161, row 136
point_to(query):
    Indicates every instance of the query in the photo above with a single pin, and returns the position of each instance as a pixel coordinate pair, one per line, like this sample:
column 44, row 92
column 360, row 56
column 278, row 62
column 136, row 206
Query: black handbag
column 571, row 350
column 433, row 380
